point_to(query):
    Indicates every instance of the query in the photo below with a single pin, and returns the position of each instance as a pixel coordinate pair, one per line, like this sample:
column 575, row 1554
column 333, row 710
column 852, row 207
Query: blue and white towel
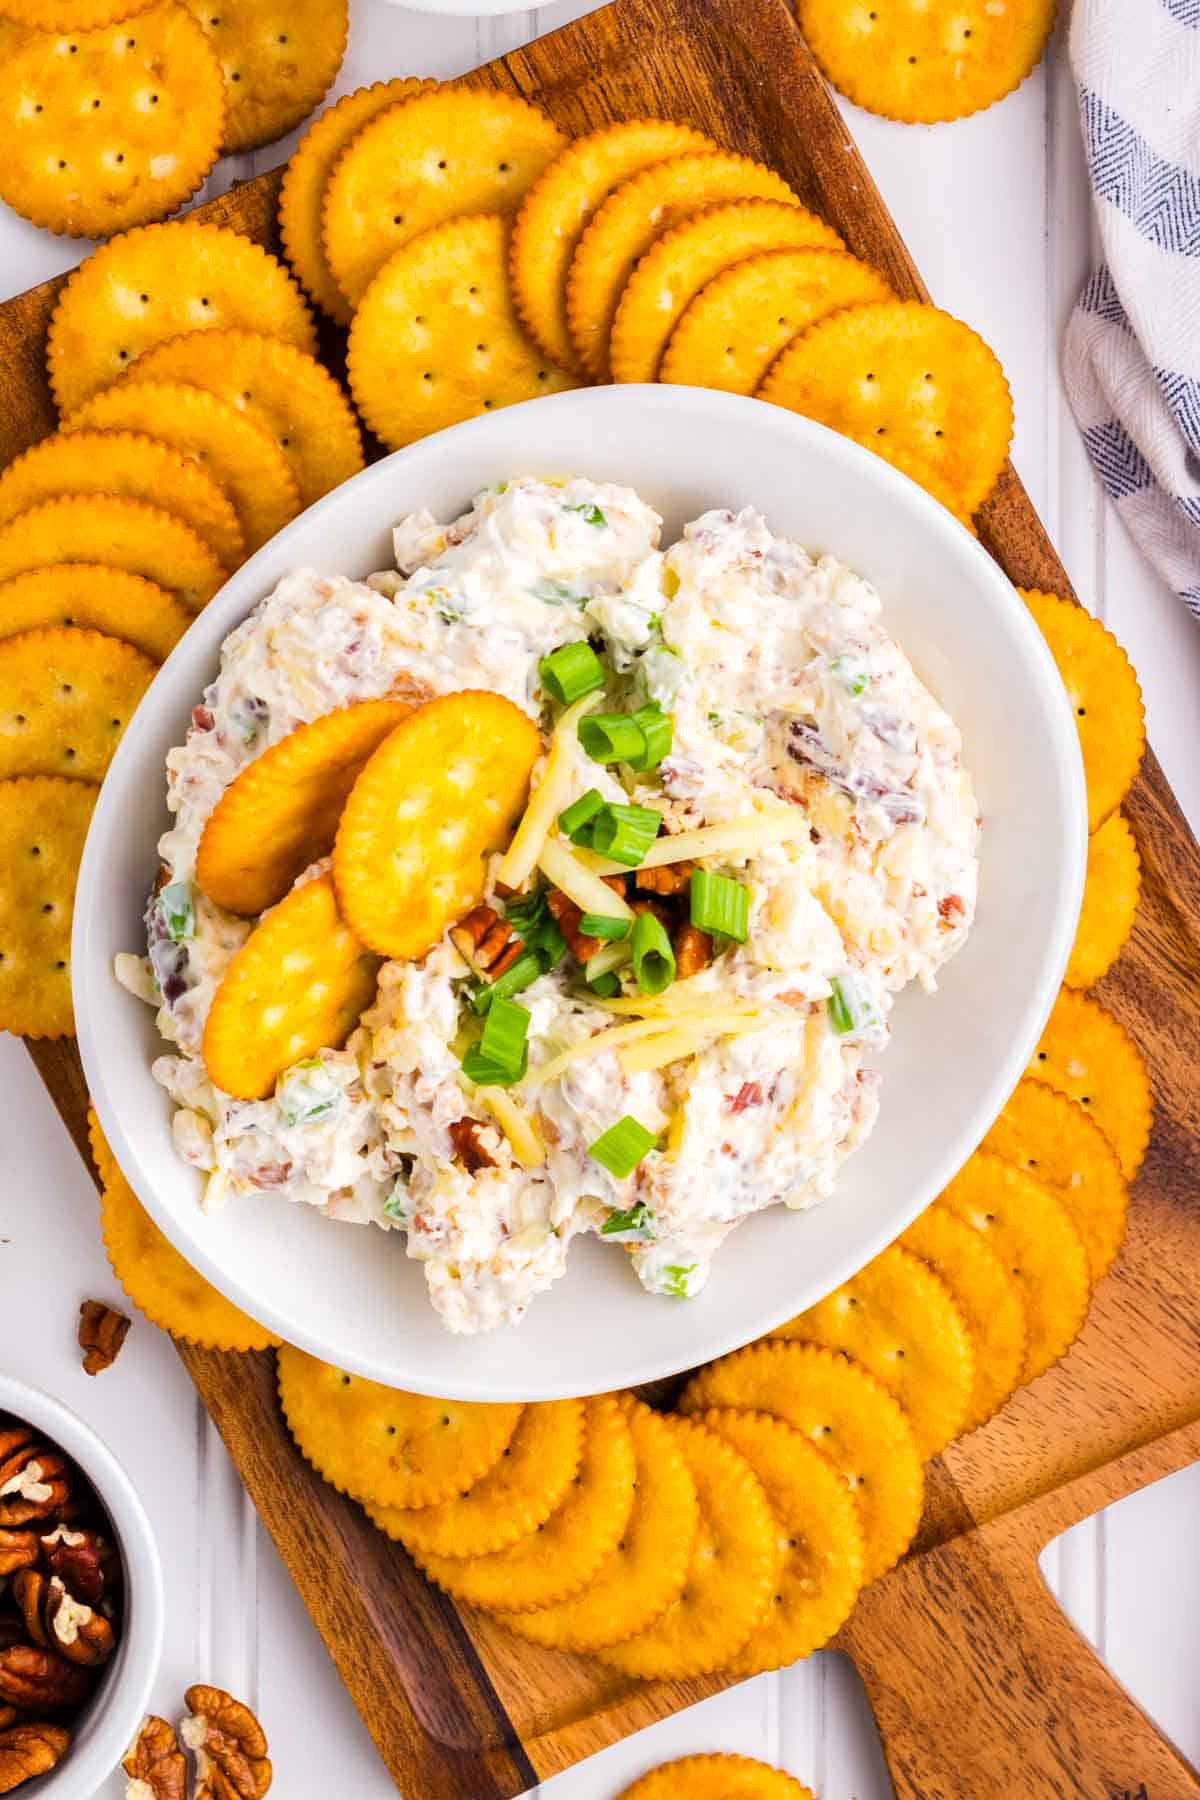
column 1132, row 351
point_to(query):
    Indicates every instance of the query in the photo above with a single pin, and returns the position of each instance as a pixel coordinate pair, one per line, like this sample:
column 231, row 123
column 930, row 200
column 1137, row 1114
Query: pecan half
column 30, row 1590
column 486, row 942
column 34, row 1479
column 57, row 1621
column 102, row 1331
column 469, row 1148
column 82, row 1560
column 18, row 1550
column 41, row 1680
column 229, row 1746
column 693, row 951
column 29, row 1750
column 566, row 916
column 672, row 878
column 154, row 1763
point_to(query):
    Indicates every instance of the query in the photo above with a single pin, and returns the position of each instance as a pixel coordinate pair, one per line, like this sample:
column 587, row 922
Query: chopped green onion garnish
column 621, row 1148
column 521, row 974
column 179, row 914
column 609, row 957
column 658, row 730
column 611, row 737
column 634, row 1225
column 601, row 926
column 625, row 832
column 502, row 1054
column 675, row 1280
column 720, row 905
column 591, row 512
column 849, row 1008
column 606, row 985
column 850, row 672
column 653, row 957
column 571, row 671
column 531, row 919
column 577, row 818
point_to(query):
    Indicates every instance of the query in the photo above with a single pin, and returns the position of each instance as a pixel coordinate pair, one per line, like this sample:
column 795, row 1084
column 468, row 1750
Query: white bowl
column 105, row 1727
column 352, row 1297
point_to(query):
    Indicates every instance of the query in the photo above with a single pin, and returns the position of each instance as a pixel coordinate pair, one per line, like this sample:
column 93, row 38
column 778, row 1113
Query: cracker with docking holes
column 70, row 15
column 918, row 470
column 561, row 1557
column 1038, row 1242
column 66, row 696
column 236, row 451
column 285, row 390
column 900, row 369
column 128, row 463
column 297, row 986
column 685, row 259
column 97, row 598
column 302, row 196
column 900, row 1321
column 43, row 822
column 626, row 225
column 1111, row 892
column 646, row 1572
column 847, row 1413
column 1087, row 1054
column 1051, row 1137
column 436, row 339
column 384, row 1445
column 558, row 208
column 920, row 63
column 988, row 1298
column 440, row 794
column 731, row 333
column 436, row 157
column 1104, row 695
column 716, row 1777
column 281, row 812
column 149, row 285
column 277, row 59
column 514, row 1498
column 109, row 128
column 820, row 1536
column 107, row 528
column 160, row 1282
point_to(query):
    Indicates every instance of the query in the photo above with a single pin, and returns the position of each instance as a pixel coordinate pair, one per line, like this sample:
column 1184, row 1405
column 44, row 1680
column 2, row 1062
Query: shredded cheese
column 724, row 1023
column 546, row 802
column 561, row 865
column 736, row 837
column 680, row 997
column 664, row 1047
column 518, row 1126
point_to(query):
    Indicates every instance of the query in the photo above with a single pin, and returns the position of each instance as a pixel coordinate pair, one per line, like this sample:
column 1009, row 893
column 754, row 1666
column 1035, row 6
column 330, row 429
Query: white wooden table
column 995, row 210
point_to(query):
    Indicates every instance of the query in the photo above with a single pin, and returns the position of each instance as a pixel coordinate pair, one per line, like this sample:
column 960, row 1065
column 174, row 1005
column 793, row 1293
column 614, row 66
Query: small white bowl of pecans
column 81, row 1601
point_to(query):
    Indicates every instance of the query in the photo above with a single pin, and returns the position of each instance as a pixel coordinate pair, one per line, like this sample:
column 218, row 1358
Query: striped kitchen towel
column 1132, row 351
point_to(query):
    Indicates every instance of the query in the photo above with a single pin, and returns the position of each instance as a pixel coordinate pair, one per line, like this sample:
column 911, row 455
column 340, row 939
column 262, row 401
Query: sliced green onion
column 621, row 1148
column 633, row 1226
column 720, row 905
column 601, row 926
column 521, row 974
column 590, row 511
column 178, row 911
column 625, row 832
column 606, row 985
column 658, row 730
column 551, row 945
column 571, row 671
column 575, row 821
column 653, row 957
column 849, row 1008
column 611, row 737
column 850, row 672
column 502, row 1054
column 675, row 1280
column 611, row 957
column 531, row 919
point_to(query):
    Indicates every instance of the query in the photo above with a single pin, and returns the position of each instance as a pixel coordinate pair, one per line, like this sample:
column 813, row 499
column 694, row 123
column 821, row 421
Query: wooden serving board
column 980, row 1686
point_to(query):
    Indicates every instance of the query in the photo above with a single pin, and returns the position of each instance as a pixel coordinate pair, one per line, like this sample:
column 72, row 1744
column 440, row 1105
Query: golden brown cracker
column 153, row 283
column 281, row 812
column 1051, row 1137
column 515, row 1497
column 558, row 207
column 96, row 598
column 1088, row 1055
column 297, row 985
column 901, row 369
column 716, row 1777
column 107, row 528
column 285, row 390
column 646, row 1572
column 1111, row 893
column 623, row 229
column 128, row 463
column 561, row 1557
column 920, row 63
column 917, row 469
column 70, row 15
column 236, row 451
column 988, row 1297
column 439, row 795
column 436, row 157
column 43, row 822
column 732, row 1576
column 66, row 695
column 850, row 1417
column 436, row 340
column 680, row 263
column 302, row 196
column 1039, row 1244
column 108, row 128
column 277, row 59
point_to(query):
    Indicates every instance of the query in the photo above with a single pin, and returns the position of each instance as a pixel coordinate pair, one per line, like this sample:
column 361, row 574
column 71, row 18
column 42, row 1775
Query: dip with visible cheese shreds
column 815, row 852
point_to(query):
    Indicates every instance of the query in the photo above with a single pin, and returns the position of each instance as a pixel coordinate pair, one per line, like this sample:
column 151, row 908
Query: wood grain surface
column 980, row 1686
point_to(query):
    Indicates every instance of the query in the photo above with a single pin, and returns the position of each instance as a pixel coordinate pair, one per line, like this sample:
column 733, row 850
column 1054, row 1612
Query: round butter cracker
column 43, row 822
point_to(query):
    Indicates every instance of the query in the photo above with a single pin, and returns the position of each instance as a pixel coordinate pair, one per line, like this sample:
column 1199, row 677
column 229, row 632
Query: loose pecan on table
column 55, row 1620
column 154, row 1763
column 29, row 1750
column 34, row 1478
column 229, row 1746
column 41, row 1680
column 102, row 1331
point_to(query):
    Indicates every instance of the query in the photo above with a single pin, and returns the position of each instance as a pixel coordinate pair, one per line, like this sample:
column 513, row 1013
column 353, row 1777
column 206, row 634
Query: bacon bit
column 672, row 878
column 749, row 1094
column 951, row 907
column 486, row 941
column 469, row 1150
column 567, row 916
column 272, row 1175
column 693, row 951
column 202, row 719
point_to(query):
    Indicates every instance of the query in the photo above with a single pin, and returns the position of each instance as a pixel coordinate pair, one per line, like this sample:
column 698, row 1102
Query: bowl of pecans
column 81, row 1601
